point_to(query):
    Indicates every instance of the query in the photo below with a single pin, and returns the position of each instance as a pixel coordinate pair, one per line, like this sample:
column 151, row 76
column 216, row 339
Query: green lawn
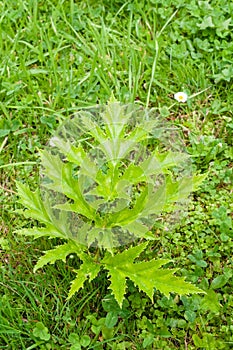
column 57, row 57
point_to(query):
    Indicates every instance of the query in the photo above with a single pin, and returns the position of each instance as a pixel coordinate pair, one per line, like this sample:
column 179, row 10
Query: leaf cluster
column 107, row 192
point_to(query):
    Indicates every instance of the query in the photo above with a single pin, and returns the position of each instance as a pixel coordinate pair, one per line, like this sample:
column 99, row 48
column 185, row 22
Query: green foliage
column 41, row 332
column 113, row 192
column 143, row 275
column 59, row 58
column 77, row 342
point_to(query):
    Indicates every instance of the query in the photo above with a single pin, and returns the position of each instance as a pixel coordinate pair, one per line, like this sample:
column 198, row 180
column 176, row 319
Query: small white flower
column 181, row 97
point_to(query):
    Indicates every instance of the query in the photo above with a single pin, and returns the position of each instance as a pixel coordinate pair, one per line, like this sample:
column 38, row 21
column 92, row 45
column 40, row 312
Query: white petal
column 181, row 96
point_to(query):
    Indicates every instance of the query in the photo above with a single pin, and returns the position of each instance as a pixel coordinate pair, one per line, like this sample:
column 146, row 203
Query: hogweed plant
column 109, row 177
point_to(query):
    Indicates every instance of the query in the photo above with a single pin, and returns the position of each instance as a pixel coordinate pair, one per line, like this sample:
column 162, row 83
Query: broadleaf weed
column 107, row 177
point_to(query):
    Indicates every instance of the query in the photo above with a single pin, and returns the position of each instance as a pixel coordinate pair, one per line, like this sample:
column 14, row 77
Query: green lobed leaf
column 116, row 149
column 138, row 134
column 139, row 230
column 133, row 174
column 88, row 270
column 52, row 168
column 146, row 275
column 156, row 201
column 92, row 234
column 63, row 182
column 158, row 163
column 49, row 231
column 118, row 284
column 107, row 182
column 32, row 201
column 104, row 236
column 59, row 253
column 166, row 283
column 126, row 216
column 73, row 154
column 116, row 120
column 197, row 180
column 114, row 265
column 127, row 256
column 181, row 189
column 76, row 207
column 71, row 188
column 91, row 126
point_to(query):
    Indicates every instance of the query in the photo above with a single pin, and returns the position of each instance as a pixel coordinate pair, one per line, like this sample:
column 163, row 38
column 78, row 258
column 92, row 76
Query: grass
column 59, row 56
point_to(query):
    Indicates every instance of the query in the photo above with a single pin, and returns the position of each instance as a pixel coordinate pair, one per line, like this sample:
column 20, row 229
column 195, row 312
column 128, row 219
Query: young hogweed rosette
column 109, row 176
